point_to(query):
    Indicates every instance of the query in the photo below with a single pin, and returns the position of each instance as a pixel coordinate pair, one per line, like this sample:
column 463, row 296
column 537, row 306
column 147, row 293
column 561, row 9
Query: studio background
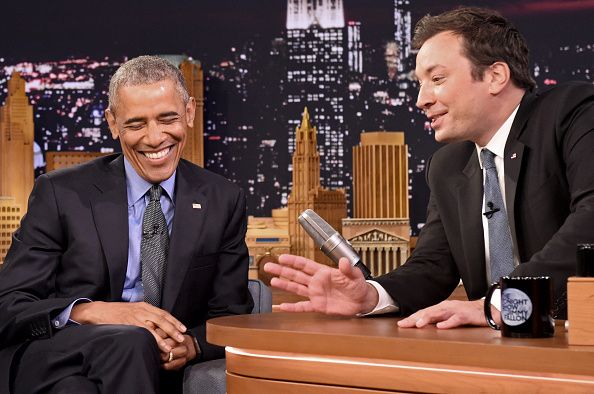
column 256, row 85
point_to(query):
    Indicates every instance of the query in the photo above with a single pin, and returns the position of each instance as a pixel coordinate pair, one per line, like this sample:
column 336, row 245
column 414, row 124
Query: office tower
column 307, row 193
column 10, row 219
column 355, row 47
column 302, row 14
column 318, row 50
column 16, row 143
column 16, row 159
column 194, row 149
column 402, row 32
column 380, row 230
column 380, row 176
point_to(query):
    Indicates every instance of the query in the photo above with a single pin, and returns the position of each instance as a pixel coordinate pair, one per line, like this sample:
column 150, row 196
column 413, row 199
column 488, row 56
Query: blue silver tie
column 500, row 244
column 154, row 247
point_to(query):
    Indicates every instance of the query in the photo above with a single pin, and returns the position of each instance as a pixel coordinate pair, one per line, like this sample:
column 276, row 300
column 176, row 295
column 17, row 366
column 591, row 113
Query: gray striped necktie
column 154, row 248
column 500, row 244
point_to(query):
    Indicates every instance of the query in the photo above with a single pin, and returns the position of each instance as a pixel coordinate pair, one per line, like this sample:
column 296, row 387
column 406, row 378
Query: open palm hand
column 341, row 291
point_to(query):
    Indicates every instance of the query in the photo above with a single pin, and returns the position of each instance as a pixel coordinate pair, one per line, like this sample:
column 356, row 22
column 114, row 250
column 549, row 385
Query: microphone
column 330, row 242
column 489, row 214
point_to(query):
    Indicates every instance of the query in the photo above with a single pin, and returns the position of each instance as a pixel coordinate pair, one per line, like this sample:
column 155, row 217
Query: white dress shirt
column 496, row 145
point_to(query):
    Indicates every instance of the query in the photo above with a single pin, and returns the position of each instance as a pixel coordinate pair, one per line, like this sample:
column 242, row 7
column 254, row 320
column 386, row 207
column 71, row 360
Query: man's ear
column 111, row 122
column 499, row 76
column 190, row 112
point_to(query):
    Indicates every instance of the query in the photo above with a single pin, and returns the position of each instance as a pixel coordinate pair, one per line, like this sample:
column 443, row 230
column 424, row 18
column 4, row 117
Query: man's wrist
column 80, row 313
column 383, row 304
column 372, row 299
column 194, row 341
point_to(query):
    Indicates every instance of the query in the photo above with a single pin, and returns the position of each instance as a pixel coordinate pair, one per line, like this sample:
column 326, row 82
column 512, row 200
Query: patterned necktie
column 154, row 248
column 500, row 244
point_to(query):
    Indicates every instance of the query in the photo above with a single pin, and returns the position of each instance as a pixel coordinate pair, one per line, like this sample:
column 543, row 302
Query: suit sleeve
column 27, row 277
column 575, row 135
column 430, row 274
column 230, row 295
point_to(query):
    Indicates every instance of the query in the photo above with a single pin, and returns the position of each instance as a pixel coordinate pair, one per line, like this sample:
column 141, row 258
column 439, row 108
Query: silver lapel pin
column 196, row 206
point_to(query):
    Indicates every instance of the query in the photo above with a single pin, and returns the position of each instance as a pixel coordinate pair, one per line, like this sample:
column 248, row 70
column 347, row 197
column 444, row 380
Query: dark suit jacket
column 73, row 243
column 549, row 187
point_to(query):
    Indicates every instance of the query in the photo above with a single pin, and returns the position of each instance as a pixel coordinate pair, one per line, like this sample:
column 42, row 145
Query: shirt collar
column 137, row 186
column 497, row 142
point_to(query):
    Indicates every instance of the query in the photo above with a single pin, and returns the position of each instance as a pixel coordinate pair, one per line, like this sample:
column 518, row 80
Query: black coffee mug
column 585, row 260
column 525, row 307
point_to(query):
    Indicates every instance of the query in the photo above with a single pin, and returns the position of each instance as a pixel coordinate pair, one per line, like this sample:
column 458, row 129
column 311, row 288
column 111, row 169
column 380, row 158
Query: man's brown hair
column 487, row 36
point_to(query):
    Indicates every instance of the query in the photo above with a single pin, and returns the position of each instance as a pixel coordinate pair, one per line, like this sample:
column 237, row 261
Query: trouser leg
column 115, row 358
column 75, row 384
column 171, row 382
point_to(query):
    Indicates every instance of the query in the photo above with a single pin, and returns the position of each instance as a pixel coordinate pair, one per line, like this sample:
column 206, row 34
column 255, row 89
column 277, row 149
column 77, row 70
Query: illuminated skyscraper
column 16, row 159
column 321, row 52
column 194, row 149
column 402, row 31
column 355, row 47
column 10, row 219
column 307, row 192
column 302, row 14
column 16, row 143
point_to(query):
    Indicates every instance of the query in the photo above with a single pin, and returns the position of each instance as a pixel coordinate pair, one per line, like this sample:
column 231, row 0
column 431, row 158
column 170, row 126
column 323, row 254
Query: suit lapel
column 470, row 200
column 513, row 156
column 191, row 208
column 110, row 212
column 514, row 152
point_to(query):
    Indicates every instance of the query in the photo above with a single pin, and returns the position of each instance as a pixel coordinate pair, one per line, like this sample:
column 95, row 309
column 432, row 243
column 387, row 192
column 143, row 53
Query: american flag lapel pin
column 196, row 206
column 513, row 156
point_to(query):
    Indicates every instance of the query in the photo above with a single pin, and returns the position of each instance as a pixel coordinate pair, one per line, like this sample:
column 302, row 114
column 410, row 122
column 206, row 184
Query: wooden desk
column 312, row 353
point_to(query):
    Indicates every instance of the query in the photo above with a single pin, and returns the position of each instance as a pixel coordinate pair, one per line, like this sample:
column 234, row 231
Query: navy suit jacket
column 549, row 192
column 73, row 242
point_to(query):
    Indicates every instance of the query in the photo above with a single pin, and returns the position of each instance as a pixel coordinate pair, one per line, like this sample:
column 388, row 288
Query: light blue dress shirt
column 136, row 188
column 138, row 198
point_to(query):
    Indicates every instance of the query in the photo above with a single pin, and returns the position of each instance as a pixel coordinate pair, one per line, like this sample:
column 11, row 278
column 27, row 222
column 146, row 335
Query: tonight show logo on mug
column 516, row 307
column 525, row 307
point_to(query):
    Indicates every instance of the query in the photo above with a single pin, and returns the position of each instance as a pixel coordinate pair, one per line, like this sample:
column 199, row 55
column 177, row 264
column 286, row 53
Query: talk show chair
column 209, row 377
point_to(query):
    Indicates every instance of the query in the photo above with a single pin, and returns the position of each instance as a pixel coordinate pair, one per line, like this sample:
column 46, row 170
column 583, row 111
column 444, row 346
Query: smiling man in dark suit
column 119, row 262
column 512, row 193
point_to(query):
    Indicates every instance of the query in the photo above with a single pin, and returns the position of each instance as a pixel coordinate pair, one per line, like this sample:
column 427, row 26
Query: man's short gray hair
column 144, row 70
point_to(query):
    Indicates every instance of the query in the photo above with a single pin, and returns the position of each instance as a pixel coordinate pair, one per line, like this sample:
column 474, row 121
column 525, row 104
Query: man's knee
column 131, row 338
column 75, row 384
column 109, row 356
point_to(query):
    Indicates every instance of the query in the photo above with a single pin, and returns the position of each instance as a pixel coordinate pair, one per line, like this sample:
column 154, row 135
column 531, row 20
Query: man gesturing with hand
column 512, row 191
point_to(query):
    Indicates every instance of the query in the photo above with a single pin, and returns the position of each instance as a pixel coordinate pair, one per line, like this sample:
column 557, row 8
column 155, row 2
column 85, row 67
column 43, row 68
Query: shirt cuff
column 63, row 318
column 385, row 304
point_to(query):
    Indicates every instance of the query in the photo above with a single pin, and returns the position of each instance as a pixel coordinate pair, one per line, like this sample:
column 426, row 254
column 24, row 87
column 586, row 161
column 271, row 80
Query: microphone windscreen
column 316, row 227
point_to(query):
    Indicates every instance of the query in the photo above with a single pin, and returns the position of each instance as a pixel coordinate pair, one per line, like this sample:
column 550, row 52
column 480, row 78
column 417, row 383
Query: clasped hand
column 167, row 330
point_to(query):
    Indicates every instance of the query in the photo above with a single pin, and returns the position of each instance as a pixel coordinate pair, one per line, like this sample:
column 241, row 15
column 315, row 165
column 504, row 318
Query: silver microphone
column 330, row 242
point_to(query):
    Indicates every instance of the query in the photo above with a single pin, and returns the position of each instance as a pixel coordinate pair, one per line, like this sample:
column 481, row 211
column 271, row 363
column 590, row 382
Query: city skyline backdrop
column 352, row 71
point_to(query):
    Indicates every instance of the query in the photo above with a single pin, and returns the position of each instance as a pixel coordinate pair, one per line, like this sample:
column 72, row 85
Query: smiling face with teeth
column 152, row 122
